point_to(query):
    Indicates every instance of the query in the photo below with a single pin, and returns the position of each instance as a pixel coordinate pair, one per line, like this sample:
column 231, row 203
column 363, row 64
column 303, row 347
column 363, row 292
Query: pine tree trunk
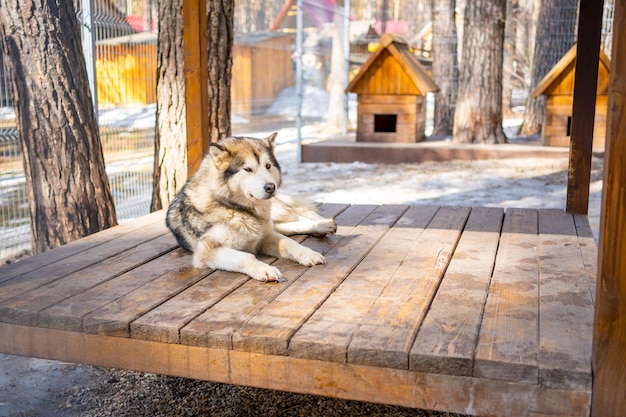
column 555, row 36
column 508, row 71
column 147, row 15
column 478, row 114
column 220, row 24
column 170, row 162
column 445, row 67
column 68, row 190
column 335, row 118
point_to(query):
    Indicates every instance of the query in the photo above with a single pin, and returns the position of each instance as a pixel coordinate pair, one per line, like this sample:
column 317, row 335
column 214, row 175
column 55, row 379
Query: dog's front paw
column 266, row 273
column 199, row 261
column 325, row 227
column 310, row 258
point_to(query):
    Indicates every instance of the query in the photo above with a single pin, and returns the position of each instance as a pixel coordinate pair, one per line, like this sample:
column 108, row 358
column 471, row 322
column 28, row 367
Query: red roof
column 316, row 12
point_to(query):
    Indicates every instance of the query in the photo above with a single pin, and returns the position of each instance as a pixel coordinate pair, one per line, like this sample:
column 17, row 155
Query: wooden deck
column 474, row 311
column 346, row 149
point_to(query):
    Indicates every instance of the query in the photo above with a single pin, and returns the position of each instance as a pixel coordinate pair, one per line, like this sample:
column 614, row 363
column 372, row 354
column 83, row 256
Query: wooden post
column 609, row 345
column 583, row 112
column 196, row 87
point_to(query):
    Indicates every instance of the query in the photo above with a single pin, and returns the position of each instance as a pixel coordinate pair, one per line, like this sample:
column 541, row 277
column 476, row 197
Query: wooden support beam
column 196, row 87
column 583, row 112
column 609, row 353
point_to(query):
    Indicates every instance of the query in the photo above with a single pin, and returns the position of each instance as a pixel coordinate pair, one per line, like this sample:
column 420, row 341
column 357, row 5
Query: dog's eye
column 268, row 166
column 248, row 170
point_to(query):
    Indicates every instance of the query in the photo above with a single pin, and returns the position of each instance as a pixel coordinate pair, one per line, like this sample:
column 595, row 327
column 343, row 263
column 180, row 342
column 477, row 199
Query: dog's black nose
column 269, row 188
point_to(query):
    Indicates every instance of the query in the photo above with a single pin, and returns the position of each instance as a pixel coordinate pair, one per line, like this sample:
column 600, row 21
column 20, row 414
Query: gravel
column 123, row 393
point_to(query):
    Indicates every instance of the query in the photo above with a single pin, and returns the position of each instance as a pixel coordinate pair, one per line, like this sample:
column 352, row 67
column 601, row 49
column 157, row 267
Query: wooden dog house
column 391, row 88
column 558, row 87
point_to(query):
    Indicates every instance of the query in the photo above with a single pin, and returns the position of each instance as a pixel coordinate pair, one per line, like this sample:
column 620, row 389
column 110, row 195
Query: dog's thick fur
column 228, row 211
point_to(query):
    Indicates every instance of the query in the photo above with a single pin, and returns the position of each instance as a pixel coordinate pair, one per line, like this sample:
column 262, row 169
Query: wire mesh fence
column 14, row 215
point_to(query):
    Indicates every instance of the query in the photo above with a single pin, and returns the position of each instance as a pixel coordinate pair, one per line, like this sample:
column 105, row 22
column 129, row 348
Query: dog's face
column 247, row 167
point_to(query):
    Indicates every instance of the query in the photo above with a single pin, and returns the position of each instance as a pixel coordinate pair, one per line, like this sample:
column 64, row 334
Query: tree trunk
column 220, row 24
column 555, row 36
column 478, row 115
column 384, row 16
column 68, row 190
column 147, row 15
column 170, row 162
column 335, row 118
column 170, row 159
column 521, row 35
column 508, row 70
column 445, row 67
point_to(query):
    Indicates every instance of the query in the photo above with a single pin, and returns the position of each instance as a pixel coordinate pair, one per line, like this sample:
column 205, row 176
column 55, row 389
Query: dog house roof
column 392, row 69
column 560, row 79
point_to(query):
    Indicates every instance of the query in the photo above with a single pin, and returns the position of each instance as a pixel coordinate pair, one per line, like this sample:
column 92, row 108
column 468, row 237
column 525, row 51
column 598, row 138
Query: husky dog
column 228, row 211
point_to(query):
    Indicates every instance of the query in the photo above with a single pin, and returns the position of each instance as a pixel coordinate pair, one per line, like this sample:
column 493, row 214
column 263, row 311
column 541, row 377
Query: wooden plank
column 388, row 330
column 391, row 108
column 565, row 305
column 68, row 314
column 609, row 354
column 446, row 341
column 114, row 319
column 164, row 322
column 195, row 63
column 327, row 334
column 271, row 329
column 386, row 99
column 75, row 249
column 447, row 393
column 507, row 345
column 585, row 87
column 25, row 307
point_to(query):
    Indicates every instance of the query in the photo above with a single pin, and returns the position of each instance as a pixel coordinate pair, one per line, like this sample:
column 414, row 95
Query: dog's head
column 247, row 167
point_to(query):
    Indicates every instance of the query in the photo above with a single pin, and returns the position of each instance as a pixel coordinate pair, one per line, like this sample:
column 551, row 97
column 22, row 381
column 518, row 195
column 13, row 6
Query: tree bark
column 170, row 159
column 445, row 66
column 335, row 117
column 519, row 36
column 68, row 190
column 170, row 162
column 555, row 36
column 220, row 25
column 508, row 70
column 147, row 15
column 478, row 115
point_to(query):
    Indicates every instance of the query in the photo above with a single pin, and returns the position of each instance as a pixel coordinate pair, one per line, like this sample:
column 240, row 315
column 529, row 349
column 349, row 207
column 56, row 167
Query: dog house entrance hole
column 569, row 126
column 385, row 123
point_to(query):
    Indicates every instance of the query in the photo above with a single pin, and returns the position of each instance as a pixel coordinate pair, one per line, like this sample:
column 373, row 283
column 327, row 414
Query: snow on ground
column 139, row 117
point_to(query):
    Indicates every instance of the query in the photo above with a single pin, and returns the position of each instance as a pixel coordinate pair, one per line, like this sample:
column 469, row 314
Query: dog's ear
column 218, row 152
column 270, row 140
